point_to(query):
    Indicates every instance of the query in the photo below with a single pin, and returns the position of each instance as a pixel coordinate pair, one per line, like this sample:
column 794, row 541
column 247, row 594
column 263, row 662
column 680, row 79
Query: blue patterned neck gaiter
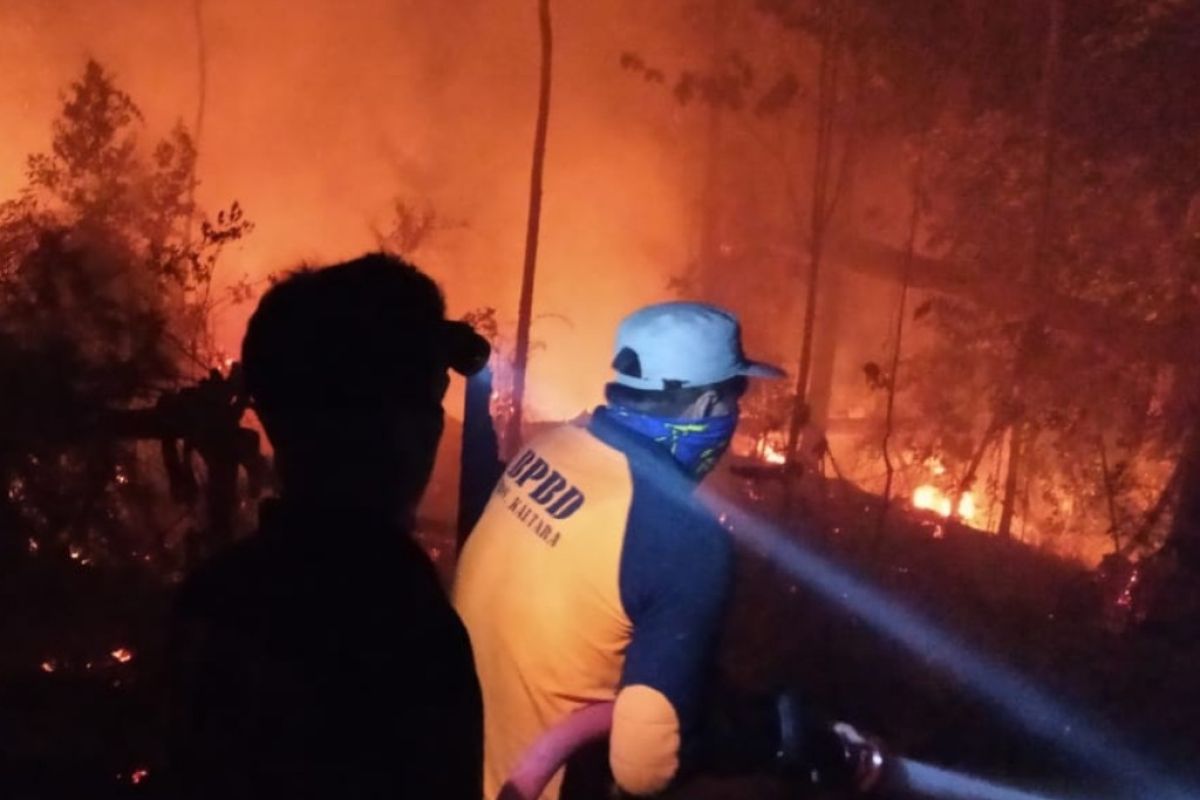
column 695, row 443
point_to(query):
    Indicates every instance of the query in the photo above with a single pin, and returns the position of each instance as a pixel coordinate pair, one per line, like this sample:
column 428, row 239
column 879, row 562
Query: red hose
column 549, row 754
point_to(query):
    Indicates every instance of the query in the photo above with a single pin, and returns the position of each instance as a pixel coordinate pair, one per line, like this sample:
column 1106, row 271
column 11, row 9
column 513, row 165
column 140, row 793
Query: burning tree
column 1067, row 263
column 1098, row 422
column 1054, row 263
column 106, row 299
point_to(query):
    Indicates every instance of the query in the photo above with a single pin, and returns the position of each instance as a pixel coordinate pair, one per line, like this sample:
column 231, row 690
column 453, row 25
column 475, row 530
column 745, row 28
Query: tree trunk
column 964, row 485
column 1183, row 538
column 1110, row 494
column 705, row 271
column 525, row 309
column 1036, row 268
column 914, row 224
column 201, row 102
column 1047, row 101
column 1012, row 474
column 827, row 100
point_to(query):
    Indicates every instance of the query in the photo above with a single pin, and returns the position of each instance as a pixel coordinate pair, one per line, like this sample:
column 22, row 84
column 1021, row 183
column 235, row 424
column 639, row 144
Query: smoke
column 320, row 114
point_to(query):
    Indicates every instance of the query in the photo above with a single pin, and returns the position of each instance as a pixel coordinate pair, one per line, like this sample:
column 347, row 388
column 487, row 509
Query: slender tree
column 201, row 103
column 1035, row 272
column 914, row 224
column 711, row 195
column 822, row 202
column 525, row 309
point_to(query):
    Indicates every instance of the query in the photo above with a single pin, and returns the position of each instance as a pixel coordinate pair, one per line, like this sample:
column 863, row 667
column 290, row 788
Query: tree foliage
column 1083, row 198
column 105, row 301
column 1102, row 423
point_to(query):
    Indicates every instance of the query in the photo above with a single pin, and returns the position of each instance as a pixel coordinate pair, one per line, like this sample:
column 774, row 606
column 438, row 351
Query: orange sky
column 320, row 112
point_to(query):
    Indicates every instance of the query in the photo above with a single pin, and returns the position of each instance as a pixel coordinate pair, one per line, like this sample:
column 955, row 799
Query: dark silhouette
column 320, row 657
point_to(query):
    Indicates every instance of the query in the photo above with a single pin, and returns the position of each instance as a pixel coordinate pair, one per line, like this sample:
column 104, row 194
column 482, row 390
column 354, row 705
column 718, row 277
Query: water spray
column 1083, row 739
column 936, row 783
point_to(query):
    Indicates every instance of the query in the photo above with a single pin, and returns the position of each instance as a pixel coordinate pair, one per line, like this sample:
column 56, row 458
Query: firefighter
column 320, row 658
column 594, row 575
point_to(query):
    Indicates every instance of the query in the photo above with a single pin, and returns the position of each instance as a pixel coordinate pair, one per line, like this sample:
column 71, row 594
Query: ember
column 930, row 498
column 1125, row 598
column 122, row 655
column 773, row 455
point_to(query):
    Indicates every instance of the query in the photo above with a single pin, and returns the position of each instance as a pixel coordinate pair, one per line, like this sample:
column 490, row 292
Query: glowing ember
column 773, row 455
column 74, row 552
column 1125, row 599
column 931, row 498
column 122, row 655
column 49, row 665
column 966, row 506
column 32, row 545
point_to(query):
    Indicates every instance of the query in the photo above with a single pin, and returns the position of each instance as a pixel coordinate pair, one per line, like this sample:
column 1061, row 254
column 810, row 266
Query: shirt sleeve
column 675, row 574
column 481, row 466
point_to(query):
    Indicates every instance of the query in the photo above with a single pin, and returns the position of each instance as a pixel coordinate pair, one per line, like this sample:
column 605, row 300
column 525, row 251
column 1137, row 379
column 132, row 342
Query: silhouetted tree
column 529, row 271
column 104, row 303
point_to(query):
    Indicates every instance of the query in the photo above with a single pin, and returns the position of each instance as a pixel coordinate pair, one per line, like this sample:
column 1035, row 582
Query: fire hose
column 902, row 777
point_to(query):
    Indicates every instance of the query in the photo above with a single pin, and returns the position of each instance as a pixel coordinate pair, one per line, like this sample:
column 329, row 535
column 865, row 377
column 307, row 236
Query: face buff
column 695, row 443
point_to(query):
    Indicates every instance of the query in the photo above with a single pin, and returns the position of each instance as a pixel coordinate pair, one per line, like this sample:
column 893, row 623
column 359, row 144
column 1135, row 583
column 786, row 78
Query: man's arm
column 480, row 464
column 675, row 573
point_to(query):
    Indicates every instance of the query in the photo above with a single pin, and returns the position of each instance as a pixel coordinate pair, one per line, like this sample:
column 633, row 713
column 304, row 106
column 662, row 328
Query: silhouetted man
column 320, row 657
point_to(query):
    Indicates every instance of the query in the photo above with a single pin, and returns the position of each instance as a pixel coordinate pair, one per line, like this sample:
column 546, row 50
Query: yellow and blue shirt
column 593, row 575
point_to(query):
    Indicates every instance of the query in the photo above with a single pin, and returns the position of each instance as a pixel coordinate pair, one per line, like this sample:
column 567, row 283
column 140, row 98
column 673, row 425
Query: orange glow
column 138, row 775
column 122, row 655
column 619, row 194
column 49, row 665
column 773, row 455
column 931, row 498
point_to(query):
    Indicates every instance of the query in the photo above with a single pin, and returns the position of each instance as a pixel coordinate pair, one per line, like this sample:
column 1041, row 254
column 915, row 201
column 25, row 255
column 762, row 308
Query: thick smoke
column 320, row 114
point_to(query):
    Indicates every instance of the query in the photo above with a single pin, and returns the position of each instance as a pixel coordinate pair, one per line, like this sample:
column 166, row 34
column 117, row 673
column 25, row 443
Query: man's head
column 346, row 367
column 680, row 367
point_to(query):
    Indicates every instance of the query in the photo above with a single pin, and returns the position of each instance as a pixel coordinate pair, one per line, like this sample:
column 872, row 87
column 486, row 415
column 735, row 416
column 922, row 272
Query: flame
column 931, row 498
column 136, row 776
column 49, row 665
column 122, row 655
column 966, row 506
column 773, row 455
column 1125, row 599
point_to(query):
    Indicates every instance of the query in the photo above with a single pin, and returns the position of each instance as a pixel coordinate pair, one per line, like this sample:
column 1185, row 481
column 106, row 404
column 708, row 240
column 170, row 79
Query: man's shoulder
column 674, row 544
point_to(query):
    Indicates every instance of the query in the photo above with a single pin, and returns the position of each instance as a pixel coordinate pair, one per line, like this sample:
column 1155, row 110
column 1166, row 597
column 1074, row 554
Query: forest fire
column 924, row 212
column 930, row 498
column 773, row 455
